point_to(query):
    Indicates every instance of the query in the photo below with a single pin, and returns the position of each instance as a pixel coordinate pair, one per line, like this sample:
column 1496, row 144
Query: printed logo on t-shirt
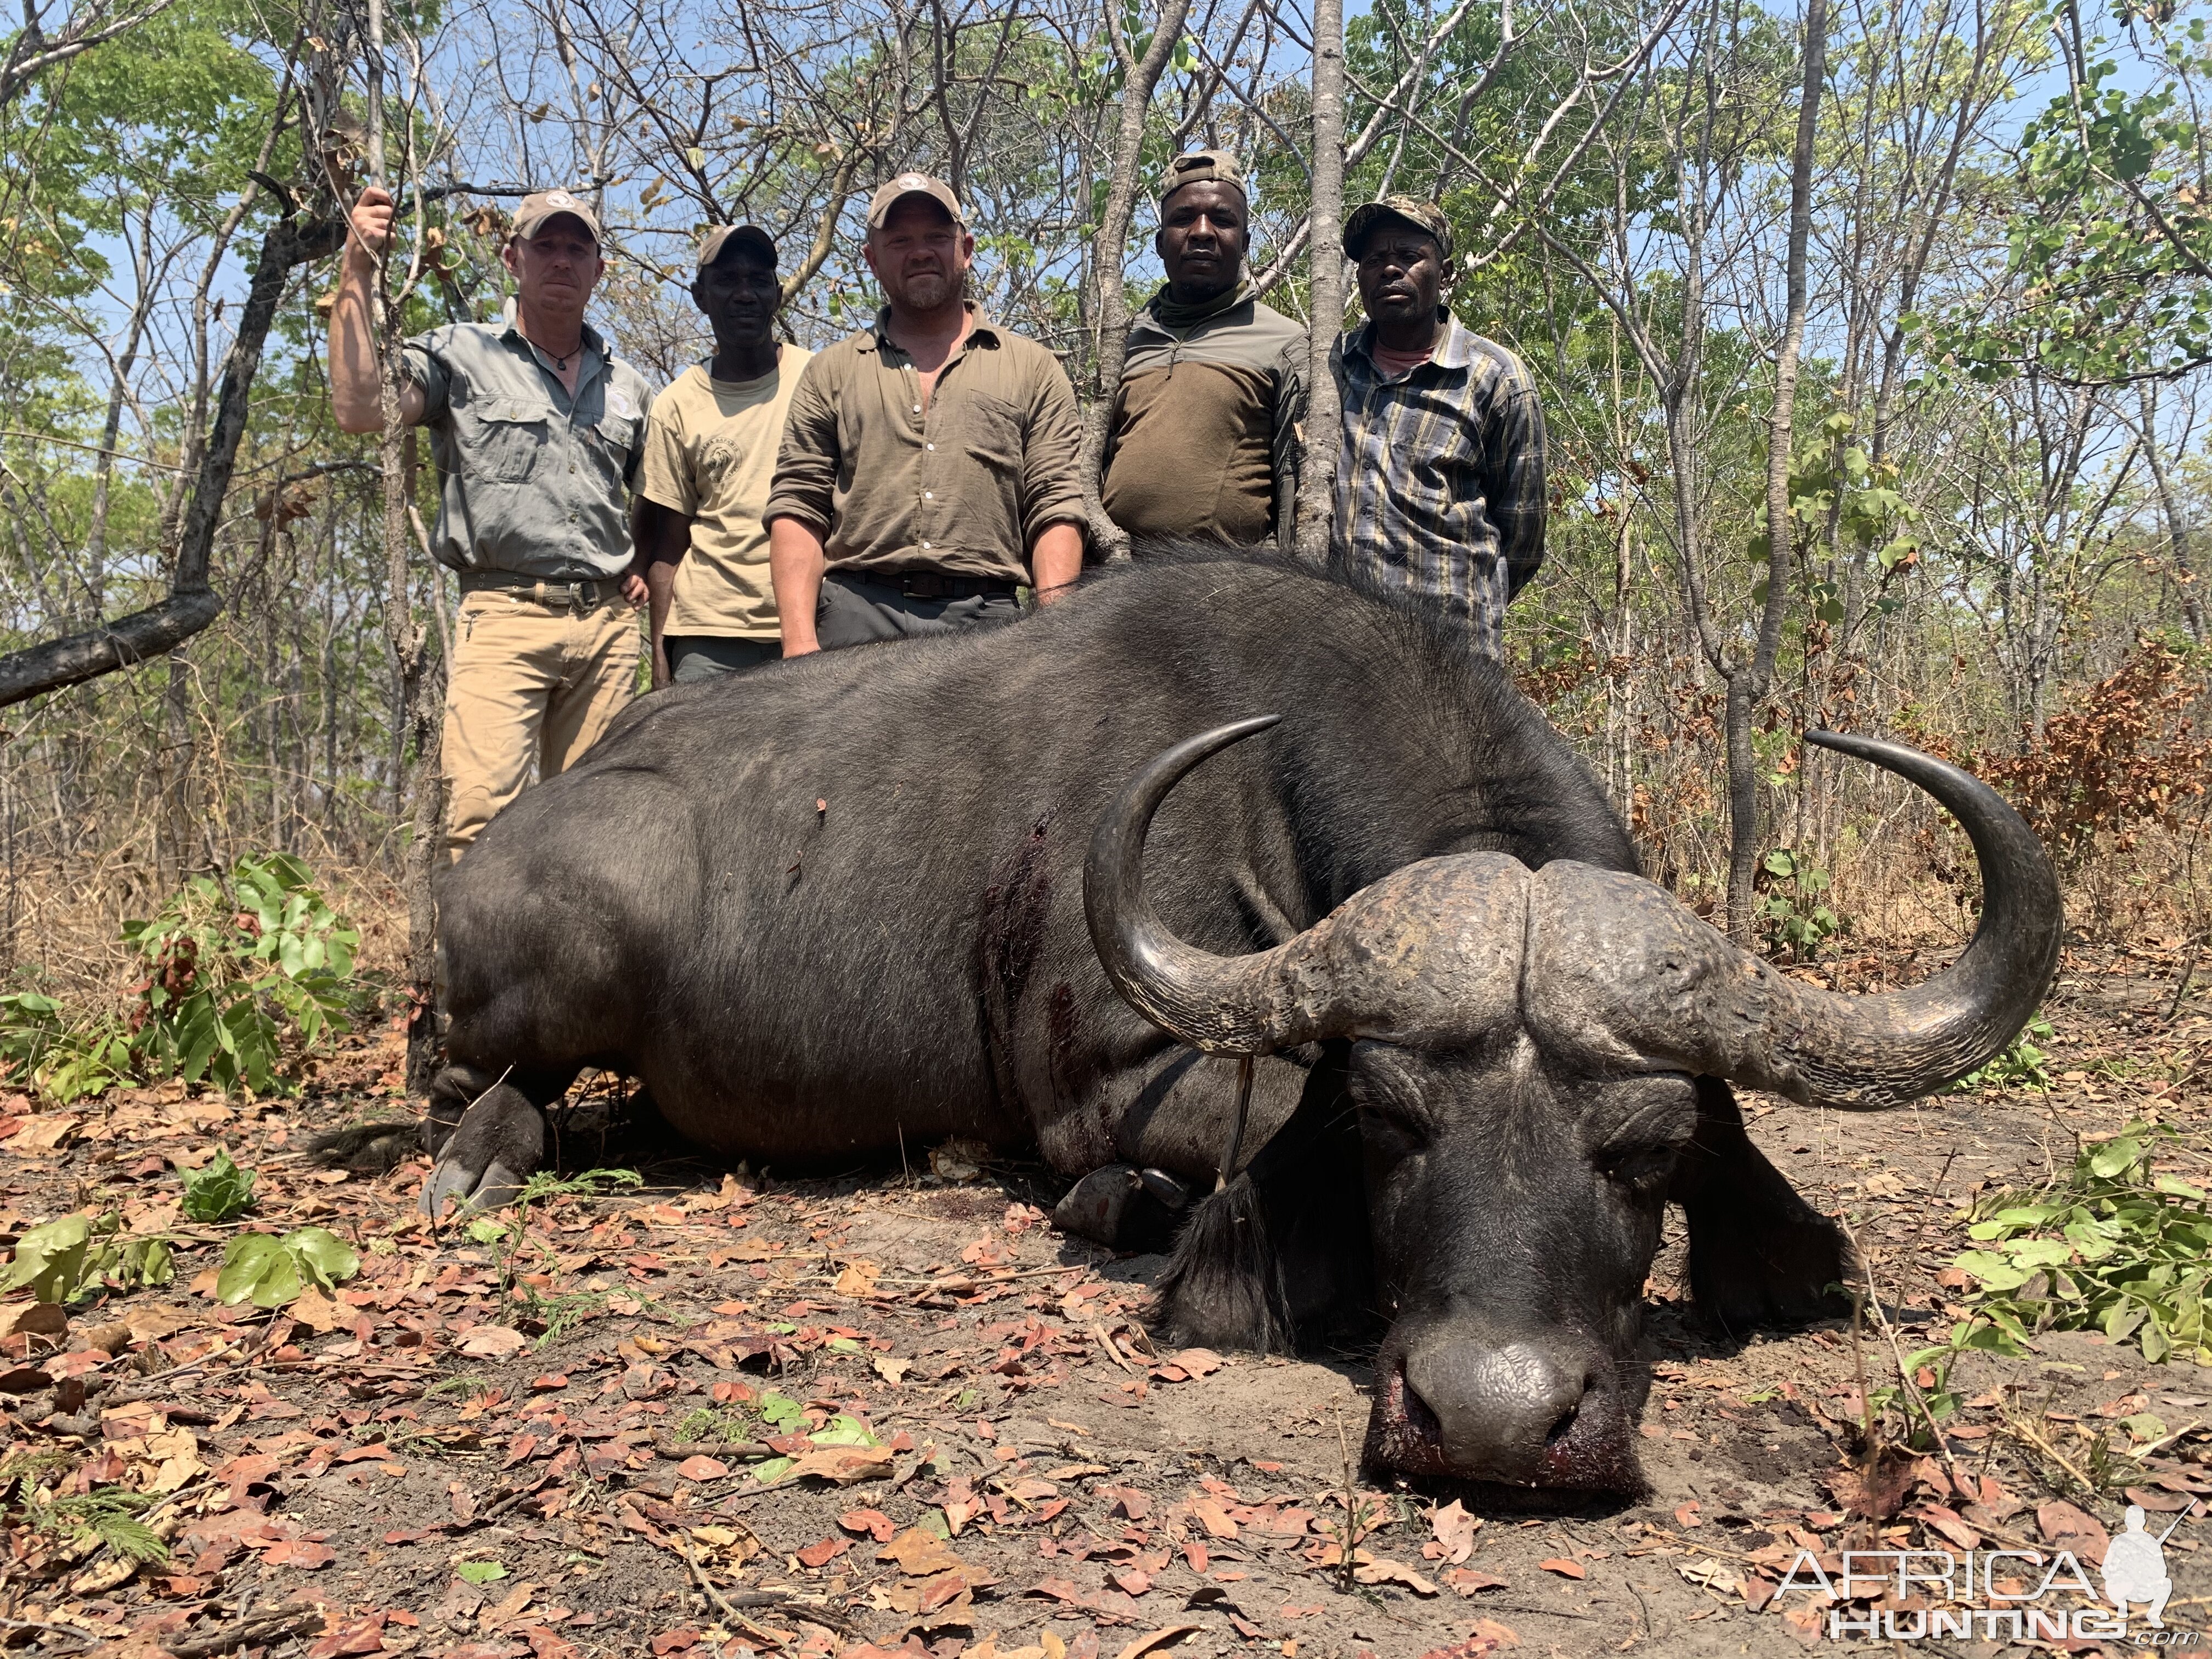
column 718, row 455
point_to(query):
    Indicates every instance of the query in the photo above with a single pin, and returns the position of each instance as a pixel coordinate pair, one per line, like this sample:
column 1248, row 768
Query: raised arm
column 356, row 397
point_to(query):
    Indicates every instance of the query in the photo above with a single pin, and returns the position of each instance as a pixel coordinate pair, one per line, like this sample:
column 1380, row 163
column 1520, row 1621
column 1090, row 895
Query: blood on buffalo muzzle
column 1609, row 976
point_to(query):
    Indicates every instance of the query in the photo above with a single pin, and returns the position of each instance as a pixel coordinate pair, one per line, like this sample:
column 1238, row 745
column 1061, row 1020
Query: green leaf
column 220, row 1192
column 481, row 1572
column 324, row 1256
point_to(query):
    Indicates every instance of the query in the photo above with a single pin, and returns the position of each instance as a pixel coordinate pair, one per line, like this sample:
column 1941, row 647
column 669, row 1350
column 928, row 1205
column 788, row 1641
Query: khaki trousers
column 529, row 684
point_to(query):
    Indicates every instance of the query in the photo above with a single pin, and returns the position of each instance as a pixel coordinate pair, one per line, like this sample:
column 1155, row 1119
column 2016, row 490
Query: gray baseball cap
column 914, row 184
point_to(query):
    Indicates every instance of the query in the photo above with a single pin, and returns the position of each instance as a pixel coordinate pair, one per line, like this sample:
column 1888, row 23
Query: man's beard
column 931, row 290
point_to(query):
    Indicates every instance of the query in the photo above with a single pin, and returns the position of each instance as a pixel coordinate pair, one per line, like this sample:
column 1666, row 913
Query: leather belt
column 575, row 595
column 930, row 584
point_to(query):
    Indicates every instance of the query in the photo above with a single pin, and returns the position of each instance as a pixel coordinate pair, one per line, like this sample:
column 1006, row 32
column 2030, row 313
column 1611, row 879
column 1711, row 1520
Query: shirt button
column 928, row 496
column 929, row 446
column 917, row 409
column 925, row 543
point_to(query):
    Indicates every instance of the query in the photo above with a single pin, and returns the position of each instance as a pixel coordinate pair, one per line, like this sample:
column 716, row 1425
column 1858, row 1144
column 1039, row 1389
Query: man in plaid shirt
column 1440, row 487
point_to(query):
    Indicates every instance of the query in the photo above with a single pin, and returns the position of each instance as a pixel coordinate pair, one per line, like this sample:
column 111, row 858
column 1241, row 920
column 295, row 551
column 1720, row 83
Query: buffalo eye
column 1639, row 1168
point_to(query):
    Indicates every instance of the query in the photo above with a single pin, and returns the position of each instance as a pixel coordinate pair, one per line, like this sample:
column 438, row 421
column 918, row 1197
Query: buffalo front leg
column 487, row 1132
column 1760, row 1254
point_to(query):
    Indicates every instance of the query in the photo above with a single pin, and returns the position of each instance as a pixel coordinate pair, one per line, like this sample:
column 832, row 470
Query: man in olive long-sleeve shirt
column 929, row 467
column 1204, row 442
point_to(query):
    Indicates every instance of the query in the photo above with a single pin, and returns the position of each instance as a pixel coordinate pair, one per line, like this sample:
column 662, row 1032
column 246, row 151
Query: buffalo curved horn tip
column 1203, row 999
column 1885, row 1048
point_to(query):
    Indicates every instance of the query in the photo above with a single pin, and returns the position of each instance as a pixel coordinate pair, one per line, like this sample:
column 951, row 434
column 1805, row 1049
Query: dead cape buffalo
column 842, row 901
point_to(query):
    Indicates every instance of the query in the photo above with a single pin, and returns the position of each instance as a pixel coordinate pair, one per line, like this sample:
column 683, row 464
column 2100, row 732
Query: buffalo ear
column 1760, row 1254
column 1279, row 1259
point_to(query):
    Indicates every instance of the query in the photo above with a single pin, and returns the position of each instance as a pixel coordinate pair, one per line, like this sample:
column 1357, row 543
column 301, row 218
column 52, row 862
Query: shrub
column 244, row 978
column 2109, row 1247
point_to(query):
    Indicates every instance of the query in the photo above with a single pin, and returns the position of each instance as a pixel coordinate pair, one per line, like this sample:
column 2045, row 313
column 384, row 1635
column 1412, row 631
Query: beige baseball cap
column 722, row 236
column 914, row 184
column 537, row 210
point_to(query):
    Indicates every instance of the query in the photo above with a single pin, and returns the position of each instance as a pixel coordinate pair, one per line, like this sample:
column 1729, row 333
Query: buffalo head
column 1522, row 1051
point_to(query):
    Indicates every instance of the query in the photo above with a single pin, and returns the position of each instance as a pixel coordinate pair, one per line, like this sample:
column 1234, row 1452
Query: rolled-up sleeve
column 423, row 358
column 1519, row 504
column 1052, row 492
column 806, row 464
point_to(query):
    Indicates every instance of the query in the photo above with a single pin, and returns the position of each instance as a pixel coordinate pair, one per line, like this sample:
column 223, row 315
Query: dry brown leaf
column 919, row 1552
column 843, row 1464
column 1157, row 1641
column 1454, row 1529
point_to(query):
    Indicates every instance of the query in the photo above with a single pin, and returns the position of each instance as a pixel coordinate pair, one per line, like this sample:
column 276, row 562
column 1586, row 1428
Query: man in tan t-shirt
column 710, row 452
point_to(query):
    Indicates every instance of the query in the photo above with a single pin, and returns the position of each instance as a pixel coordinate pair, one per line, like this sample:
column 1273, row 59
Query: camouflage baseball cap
column 914, row 184
column 1201, row 166
column 537, row 210
column 723, row 236
column 1424, row 216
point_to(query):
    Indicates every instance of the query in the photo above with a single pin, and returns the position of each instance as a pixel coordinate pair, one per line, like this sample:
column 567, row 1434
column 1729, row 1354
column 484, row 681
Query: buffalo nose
column 1498, row 1408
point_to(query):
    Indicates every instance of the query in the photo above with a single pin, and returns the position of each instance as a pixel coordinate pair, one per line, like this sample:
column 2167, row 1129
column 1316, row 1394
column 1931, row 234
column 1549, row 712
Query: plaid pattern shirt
column 1440, row 487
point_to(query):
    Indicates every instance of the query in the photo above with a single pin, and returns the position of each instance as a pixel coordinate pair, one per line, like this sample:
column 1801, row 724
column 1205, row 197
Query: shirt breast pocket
column 510, row 436
column 993, row 428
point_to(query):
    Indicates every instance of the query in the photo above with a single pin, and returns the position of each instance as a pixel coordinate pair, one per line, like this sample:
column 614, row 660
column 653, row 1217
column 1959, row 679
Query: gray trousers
column 709, row 656
column 853, row 610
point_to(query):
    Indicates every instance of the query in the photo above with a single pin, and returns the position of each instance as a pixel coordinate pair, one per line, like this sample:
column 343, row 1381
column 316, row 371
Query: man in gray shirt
column 538, row 430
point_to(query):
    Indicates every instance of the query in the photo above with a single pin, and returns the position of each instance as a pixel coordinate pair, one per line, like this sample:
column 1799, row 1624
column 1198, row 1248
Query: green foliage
column 2022, row 1066
column 1792, row 915
column 55, row 1056
column 69, row 1259
column 2110, row 1247
column 2109, row 255
column 786, row 1416
column 481, row 1572
column 220, row 1192
column 272, row 1271
column 107, row 1516
column 244, row 979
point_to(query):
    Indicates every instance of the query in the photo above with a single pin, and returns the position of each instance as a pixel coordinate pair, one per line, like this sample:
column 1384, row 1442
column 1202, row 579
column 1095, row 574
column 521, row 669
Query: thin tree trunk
column 1139, row 77
column 1324, row 408
column 402, row 629
column 1748, row 683
column 2177, row 517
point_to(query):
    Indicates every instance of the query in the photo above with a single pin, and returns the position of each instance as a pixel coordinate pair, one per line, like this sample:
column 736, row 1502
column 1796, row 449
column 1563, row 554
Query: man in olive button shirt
column 929, row 467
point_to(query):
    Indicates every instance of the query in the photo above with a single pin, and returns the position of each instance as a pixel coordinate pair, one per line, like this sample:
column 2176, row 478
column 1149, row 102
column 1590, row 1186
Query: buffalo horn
column 1894, row 1046
column 1617, row 963
column 1220, row 1005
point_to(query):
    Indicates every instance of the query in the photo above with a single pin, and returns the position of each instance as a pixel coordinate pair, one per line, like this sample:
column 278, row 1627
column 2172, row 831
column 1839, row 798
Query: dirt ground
column 549, row 1445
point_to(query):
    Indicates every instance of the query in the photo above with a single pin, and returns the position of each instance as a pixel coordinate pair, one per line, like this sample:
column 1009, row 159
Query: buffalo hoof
column 1123, row 1207
column 499, row 1144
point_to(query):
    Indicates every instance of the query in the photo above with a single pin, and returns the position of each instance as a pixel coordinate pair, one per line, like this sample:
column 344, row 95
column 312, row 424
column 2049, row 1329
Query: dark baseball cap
column 723, row 236
column 1424, row 216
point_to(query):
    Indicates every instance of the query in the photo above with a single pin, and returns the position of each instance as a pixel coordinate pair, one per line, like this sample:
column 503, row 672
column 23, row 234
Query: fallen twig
column 293, row 1619
column 720, row 1601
